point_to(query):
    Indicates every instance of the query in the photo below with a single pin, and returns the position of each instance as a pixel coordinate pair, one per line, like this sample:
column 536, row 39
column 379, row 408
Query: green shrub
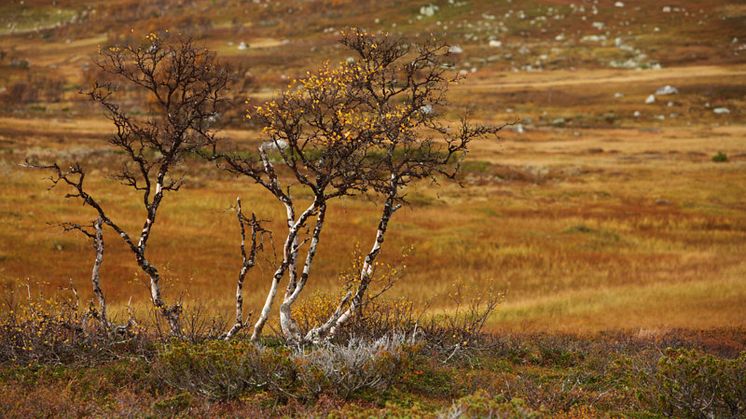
column 720, row 157
column 174, row 405
column 221, row 370
column 481, row 405
column 691, row 384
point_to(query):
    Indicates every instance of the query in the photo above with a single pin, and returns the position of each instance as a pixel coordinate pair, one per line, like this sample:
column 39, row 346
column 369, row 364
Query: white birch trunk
column 98, row 245
column 247, row 262
column 289, row 326
column 339, row 317
column 289, row 250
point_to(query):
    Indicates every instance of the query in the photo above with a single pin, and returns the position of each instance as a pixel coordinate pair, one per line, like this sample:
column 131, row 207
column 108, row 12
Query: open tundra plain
column 609, row 216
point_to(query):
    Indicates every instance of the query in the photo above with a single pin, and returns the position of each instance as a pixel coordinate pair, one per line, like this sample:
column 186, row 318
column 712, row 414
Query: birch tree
column 185, row 88
column 372, row 126
column 94, row 232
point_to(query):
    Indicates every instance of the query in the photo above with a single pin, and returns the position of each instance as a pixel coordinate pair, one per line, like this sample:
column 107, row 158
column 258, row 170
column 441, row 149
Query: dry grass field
column 591, row 219
column 596, row 212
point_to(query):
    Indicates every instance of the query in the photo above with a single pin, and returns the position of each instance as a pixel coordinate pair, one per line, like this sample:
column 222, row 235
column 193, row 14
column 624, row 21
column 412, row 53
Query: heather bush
column 481, row 405
column 59, row 331
column 689, row 383
column 220, row 370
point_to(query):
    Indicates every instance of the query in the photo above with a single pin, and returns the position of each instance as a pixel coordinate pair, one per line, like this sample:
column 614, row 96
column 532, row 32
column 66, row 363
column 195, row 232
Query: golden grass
column 608, row 223
column 580, row 250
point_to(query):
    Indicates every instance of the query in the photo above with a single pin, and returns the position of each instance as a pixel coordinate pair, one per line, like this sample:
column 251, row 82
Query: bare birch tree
column 95, row 233
column 248, row 260
column 372, row 126
column 185, row 88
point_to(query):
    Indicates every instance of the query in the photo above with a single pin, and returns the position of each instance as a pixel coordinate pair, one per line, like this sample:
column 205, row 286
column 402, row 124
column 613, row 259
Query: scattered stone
column 429, row 10
column 593, row 38
column 619, row 4
column 667, row 90
column 666, row 9
column 599, row 25
column 272, row 145
column 650, row 99
column 636, row 114
column 496, row 44
column 243, row 46
column 455, row 49
column 721, row 111
column 618, row 95
column 559, row 122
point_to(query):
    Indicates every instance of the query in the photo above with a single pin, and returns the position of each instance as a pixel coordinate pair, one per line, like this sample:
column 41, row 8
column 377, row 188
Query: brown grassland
column 595, row 219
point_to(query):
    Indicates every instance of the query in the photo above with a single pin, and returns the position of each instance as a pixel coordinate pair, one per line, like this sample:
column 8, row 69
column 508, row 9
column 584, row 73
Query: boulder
column 428, row 10
column 667, row 90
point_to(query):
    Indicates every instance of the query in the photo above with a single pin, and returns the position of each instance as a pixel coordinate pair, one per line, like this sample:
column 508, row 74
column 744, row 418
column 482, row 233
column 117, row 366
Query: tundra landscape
column 565, row 237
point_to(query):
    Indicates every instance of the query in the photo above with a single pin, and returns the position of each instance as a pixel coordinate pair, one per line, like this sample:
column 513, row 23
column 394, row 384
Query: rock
column 618, row 95
column 426, row 109
column 636, row 114
column 518, row 128
column 666, row 9
column 593, row 38
column 619, row 4
column 629, row 63
column 271, row 145
column 599, row 25
column 667, row 90
column 650, row 99
column 496, row 44
column 721, row 111
column 455, row 49
column 559, row 122
column 560, row 37
column 242, row 46
column 428, row 10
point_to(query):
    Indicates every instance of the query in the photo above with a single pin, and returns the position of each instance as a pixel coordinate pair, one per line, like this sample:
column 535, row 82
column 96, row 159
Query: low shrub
column 361, row 365
column 220, row 370
column 693, row 384
column 481, row 405
column 57, row 331
column 720, row 157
